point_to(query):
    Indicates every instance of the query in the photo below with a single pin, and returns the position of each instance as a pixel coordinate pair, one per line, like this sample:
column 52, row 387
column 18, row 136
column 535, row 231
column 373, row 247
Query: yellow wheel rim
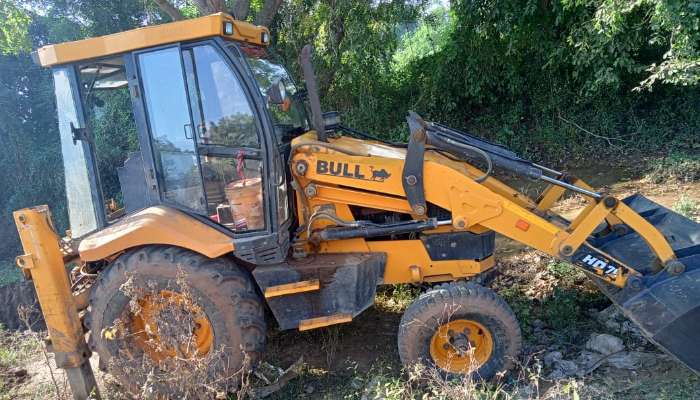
column 193, row 338
column 461, row 346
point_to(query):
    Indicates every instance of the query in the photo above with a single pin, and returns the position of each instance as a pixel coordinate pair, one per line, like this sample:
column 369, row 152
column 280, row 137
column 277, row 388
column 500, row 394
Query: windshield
column 290, row 120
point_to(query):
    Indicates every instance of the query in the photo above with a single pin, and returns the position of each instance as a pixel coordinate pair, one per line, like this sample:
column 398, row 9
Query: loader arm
column 342, row 174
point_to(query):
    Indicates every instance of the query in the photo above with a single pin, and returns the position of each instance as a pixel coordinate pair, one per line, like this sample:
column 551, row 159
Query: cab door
column 206, row 139
column 228, row 140
column 171, row 129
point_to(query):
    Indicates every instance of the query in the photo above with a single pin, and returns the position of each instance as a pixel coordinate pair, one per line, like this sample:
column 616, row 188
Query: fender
column 156, row 225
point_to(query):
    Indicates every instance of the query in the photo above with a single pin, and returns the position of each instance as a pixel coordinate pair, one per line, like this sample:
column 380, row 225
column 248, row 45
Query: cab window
column 227, row 118
column 228, row 141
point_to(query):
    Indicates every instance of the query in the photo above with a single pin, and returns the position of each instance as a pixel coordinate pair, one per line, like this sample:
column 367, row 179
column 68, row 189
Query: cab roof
column 151, row 36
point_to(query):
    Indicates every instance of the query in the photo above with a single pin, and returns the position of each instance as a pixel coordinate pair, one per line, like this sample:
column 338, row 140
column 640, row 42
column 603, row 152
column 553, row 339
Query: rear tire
column 490, row 343
column 219, row 290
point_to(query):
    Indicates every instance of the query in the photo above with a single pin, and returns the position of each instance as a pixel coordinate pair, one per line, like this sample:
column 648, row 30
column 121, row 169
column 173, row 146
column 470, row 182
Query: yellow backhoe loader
column 232, row 202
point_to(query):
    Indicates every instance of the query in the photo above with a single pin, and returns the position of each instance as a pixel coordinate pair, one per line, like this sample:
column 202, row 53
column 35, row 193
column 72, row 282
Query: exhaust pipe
column 312, row 91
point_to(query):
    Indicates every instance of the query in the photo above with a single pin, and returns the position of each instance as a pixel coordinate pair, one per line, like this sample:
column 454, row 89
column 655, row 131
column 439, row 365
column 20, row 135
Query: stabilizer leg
column 42, row 262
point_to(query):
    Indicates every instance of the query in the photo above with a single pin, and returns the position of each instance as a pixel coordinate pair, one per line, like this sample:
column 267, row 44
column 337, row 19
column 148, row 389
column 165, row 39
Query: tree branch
column 203, row 6
column 582, row 129
column 169, row 9
column 241, row 9
column 217, row 6
column 268, row 12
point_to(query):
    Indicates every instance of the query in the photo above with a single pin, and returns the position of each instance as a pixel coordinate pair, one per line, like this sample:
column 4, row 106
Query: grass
column 15, row 350
column 560, row 306
column 688, row 207
column 395, row 298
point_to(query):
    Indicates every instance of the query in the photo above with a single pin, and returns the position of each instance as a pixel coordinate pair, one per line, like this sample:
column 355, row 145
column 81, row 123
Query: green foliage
column 31, row 159
column 430, row 36
column 14, row 25
column 553, row 80
column 396, row 298
column 566, row 273
column 522, row 307
column 678, row 165
column 115, row 136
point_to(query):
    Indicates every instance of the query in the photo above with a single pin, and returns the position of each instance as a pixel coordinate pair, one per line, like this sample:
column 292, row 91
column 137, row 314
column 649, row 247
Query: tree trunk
column 169, row 9
column 240, row 9
column 268, row 12
column 207, row 7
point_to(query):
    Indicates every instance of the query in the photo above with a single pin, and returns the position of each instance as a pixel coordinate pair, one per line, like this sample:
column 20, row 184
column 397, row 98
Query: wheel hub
column 461, row 346
column 169, row 324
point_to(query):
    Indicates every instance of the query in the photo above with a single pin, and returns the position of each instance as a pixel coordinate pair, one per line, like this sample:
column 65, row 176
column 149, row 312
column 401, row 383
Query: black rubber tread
column 430, row 310
column 225, row 291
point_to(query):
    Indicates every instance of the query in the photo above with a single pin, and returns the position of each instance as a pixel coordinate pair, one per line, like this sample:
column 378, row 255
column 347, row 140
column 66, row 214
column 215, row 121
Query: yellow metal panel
column 156, row 35
column 155, row 225
column 402, row 255
column 292, row 288
column 550, row 196
column 362, row 199
column 320, row 322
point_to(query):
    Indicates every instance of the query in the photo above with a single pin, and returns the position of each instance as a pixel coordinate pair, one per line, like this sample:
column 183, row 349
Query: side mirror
column 276, row 93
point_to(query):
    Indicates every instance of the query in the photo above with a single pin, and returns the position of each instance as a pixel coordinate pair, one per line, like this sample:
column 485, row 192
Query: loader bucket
column 665, row 306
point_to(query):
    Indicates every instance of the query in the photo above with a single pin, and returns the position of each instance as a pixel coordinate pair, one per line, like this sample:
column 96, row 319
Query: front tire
column 158, row 311
column 460, row 329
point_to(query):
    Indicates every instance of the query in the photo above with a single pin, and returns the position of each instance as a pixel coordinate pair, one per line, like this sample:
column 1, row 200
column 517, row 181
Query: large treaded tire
column 225, row 292
column 454, row 301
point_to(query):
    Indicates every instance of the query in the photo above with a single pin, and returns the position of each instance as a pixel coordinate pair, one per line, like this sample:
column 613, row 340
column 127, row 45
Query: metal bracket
column 79, row 134
column 412, row 176
column 25, row 261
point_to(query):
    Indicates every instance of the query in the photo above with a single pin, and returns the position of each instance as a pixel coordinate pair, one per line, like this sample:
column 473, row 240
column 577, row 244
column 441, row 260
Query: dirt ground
column 556, row 306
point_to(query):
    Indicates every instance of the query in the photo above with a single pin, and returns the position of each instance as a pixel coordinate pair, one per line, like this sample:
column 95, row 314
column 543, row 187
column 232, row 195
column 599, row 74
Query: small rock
column 308, row 389
column 18, row 372
column 610, row 313
column 564, row 369
column 550, row 358
column 587, row 359
column 632, row 360
column 613, row 325
column 604, row 344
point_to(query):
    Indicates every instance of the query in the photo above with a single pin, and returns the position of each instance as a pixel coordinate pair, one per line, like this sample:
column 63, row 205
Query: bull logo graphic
column 379, row 175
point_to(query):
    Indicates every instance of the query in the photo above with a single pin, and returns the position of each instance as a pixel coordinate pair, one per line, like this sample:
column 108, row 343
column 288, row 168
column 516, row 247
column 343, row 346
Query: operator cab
column 202, row 124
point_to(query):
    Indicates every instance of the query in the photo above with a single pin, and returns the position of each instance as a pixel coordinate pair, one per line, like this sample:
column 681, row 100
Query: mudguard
column 156, row 225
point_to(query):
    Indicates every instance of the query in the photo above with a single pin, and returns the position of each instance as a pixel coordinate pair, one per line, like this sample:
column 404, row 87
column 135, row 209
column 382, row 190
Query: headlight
column 228, row 28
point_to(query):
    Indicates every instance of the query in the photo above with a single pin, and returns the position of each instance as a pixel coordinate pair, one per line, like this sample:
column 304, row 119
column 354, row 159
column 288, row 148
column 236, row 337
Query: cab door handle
column 188, row 131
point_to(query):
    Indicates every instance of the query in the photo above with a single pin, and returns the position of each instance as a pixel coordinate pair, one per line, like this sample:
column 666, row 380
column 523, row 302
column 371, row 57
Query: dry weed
column 168, row 362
